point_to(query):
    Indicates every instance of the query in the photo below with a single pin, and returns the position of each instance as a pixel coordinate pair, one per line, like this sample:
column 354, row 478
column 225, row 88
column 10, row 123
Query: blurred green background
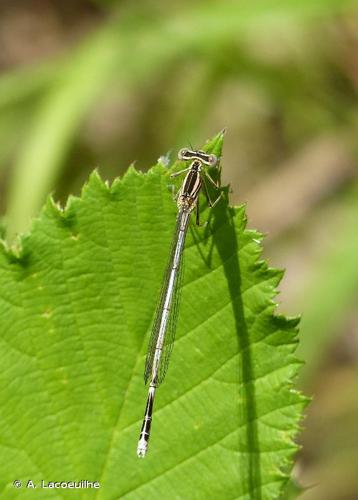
column 88, row 84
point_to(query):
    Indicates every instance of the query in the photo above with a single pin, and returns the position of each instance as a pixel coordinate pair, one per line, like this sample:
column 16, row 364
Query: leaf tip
column 215, row 145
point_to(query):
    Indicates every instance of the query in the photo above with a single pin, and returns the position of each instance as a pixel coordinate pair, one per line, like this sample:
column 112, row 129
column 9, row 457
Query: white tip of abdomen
column 142, row 447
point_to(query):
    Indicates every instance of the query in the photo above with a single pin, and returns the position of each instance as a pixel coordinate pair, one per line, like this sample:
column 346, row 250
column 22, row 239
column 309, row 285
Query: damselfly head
column 207, row 159
column 212, row 160
column 185, row 154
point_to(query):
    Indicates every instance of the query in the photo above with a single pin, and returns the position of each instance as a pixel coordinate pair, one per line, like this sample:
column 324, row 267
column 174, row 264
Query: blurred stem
column 26, row 83
column 58, row 117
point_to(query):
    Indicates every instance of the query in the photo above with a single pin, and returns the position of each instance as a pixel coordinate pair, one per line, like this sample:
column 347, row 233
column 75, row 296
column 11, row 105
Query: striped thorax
column 191, row 186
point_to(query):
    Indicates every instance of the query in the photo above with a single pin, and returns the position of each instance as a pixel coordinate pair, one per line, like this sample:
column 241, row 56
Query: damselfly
column 164, row 326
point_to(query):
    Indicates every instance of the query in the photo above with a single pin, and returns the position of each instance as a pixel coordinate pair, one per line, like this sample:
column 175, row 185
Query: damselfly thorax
column 189, row 192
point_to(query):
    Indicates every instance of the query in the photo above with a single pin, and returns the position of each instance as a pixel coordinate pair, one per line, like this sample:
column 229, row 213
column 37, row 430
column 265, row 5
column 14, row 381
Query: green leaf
column 77, row 302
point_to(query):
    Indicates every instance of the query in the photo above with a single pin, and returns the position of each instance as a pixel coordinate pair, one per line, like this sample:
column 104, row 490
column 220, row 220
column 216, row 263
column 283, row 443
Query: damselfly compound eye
column 183, row 154
column 212, row 159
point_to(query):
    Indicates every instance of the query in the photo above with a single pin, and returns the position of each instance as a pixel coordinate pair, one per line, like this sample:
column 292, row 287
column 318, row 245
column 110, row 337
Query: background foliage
column 106, row 83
